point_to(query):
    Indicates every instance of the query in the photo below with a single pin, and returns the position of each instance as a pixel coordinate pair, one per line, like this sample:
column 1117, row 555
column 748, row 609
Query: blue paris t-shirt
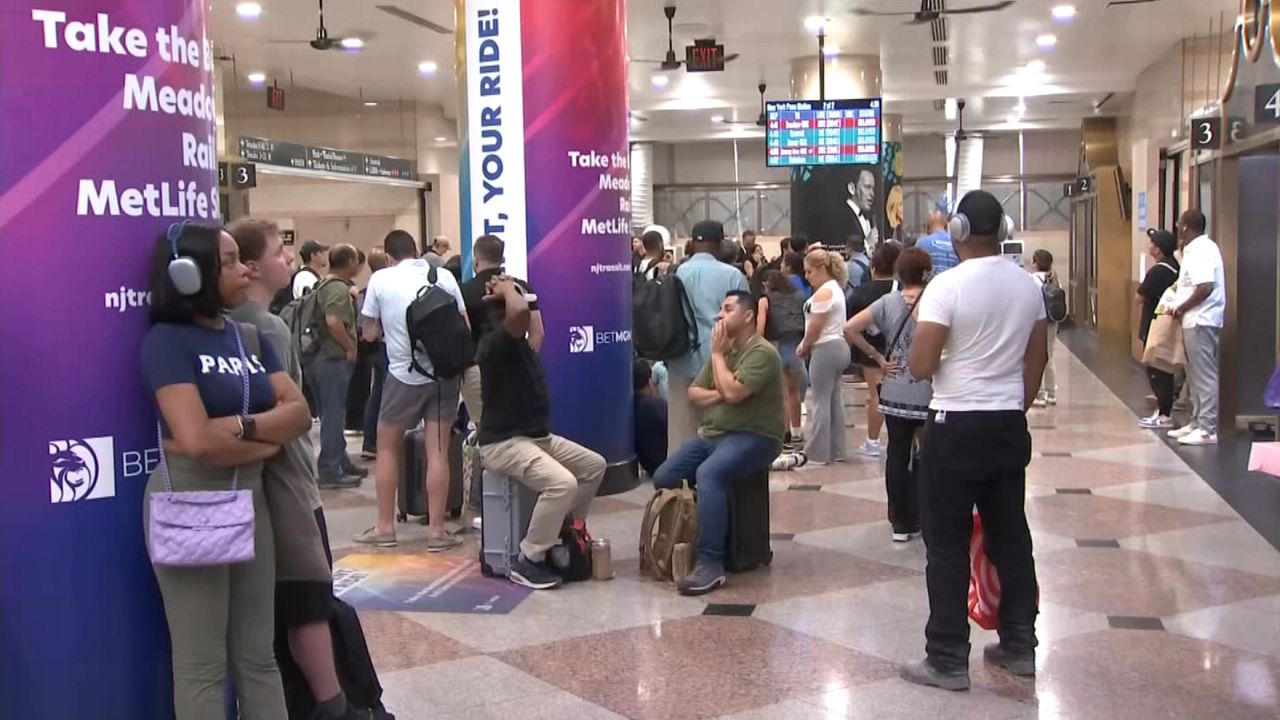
column 209, row 359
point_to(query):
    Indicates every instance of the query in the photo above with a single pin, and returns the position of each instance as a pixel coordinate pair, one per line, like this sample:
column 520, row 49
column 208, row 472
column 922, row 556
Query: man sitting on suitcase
column 740, row 393
column 515, row 435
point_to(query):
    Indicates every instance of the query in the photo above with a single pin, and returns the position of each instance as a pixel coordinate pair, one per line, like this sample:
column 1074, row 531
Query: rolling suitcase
column 506, row 507
column 748, row 543
column 412, row 492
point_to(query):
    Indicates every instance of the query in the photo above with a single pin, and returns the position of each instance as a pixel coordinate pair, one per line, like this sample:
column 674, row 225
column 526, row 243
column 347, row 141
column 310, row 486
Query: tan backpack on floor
column 670, row 518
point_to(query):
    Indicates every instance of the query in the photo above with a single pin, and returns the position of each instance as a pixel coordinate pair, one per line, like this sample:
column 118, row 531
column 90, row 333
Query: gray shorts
column 403, row 406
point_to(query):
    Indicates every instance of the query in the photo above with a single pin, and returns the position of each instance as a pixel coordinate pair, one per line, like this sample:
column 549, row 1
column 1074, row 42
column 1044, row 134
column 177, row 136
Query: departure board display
column 826, row 132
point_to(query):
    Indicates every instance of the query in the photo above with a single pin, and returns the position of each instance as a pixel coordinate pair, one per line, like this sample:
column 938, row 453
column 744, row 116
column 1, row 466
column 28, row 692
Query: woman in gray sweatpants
column 827, row 351
column 225, row 405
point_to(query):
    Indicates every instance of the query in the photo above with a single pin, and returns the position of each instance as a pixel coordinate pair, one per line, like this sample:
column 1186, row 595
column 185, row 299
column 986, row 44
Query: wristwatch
column 248, row 427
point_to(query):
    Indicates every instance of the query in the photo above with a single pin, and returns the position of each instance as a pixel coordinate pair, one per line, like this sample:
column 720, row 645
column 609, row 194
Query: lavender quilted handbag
column 203, row 528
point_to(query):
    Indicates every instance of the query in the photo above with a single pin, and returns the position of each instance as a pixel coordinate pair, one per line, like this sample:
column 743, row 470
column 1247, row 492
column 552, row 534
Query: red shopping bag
column 984, row 584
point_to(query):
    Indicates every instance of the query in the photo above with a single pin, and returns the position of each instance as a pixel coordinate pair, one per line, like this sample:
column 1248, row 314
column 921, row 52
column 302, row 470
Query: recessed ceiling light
column 660, row 81
column 815, row 24
column 428, row 68
column 442, row 139
column 248, row 10
column 1020, row 108
column 831, row 50
column 1013, row 119
column 370, row 103
column 717, row 118
column 1064, row 12
column 950, row 109
column 352, row 43
column 1047, row 40
column 1036, row 66
column 257, row 78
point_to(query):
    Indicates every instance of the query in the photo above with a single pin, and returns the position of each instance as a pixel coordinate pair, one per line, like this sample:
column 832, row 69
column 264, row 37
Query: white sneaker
column 1156, row 422
column 1199, row 437
column 1039, row 402
column 1052, row 399
column 903, row 537
column 1182, row 431
column 870, row 448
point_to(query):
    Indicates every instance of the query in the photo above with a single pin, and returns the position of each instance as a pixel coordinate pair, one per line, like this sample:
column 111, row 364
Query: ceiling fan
column 670, row 61
column 960, row 134
column 324, row 41
column 760, row 121
column 931, row 10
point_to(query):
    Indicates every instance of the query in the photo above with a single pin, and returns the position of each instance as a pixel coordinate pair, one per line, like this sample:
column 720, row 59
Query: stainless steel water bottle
column 601, row 559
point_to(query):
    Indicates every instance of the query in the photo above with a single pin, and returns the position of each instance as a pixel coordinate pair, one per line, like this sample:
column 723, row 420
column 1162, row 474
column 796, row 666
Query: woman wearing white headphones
column 225, row 405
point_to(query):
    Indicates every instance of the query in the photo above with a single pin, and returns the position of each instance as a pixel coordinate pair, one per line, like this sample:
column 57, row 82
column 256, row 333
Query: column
column 547, row 169
column 821, row 196
column 97, row 163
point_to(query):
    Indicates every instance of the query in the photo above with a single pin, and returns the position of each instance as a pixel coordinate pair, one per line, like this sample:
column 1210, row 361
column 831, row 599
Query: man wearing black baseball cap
column 981, row 335
column 315, row 265
column 706, row 282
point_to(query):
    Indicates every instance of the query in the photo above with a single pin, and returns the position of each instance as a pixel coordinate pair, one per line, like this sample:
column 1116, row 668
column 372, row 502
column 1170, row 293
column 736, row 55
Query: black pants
column 976, row 459
column 1162, row 385
column 901, row 481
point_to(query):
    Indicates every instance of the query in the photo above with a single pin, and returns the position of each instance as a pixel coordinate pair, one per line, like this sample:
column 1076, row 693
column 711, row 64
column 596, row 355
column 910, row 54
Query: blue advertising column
column 546, row 168
column 106, row 135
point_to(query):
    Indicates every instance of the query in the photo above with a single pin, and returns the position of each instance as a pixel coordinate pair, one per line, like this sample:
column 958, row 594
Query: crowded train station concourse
column 650, row 359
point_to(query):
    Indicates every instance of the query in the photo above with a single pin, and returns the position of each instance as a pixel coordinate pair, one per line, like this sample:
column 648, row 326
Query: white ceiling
column 1101, row 51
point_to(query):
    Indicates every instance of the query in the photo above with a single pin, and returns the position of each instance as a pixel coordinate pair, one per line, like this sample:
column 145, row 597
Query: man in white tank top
column 981, row 336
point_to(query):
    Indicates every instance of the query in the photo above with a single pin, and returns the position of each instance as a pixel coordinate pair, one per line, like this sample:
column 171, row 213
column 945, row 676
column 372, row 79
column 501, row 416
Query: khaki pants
column 683, row 417
column 564, row 474
column 471, row 393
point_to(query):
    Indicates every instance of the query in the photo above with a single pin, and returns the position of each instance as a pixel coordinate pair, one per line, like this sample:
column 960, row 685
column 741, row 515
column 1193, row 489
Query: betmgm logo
column 82, row 469
column 584, row 338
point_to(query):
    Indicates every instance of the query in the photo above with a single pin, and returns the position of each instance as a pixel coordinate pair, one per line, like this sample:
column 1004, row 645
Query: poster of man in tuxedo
column 832, row 204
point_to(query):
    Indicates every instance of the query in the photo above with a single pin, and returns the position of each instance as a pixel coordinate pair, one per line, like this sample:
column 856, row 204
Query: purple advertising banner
column 106, row 135
column 546, row 167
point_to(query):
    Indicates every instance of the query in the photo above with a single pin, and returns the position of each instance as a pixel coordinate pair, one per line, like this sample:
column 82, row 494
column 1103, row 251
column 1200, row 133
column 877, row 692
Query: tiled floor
column 1157, row 600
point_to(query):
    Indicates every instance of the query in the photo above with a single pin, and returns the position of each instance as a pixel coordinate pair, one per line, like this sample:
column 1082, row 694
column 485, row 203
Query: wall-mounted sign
column 287, row 237
column 704, row 56
column 275, row 98
column 1069, row 189
column 1142, row 211
column 1266, row 104
column 330, row 160
column 244, row 176
column 223, row 171
column 1206, row 133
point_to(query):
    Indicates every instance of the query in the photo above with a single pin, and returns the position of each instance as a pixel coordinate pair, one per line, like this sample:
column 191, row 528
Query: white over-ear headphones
column 960, row 229
column 184, row 271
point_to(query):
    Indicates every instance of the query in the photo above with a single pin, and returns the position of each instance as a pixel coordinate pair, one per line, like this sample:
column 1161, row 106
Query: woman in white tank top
column 827, row 351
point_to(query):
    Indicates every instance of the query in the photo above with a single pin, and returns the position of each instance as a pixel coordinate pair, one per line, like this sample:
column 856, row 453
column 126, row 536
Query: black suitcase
column 356, row 674
column 412, row 494
column 748, row 543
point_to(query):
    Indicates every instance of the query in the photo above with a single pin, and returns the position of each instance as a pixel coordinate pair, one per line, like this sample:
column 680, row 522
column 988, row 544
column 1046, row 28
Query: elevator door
column 1083, row 293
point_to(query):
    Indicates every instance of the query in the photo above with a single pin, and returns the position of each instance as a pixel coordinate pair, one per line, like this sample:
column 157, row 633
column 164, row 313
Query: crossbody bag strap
column 901, row 326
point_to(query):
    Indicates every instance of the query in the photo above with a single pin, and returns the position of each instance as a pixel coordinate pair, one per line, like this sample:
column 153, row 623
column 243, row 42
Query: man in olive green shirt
column 740, row 393
column 329, row 372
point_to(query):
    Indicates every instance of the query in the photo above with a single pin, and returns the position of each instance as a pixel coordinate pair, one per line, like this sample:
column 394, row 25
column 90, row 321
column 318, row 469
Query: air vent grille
column 941, row 56
column 939, row 105
column 940, row 77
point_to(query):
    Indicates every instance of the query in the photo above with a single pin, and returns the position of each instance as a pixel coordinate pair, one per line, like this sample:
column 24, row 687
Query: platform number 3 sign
column 1206, row 133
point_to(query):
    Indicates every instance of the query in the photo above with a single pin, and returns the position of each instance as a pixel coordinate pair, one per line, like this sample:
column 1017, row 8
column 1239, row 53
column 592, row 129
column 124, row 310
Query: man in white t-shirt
column 315, row 265
column 1201, row 298
column 409, row 396
column 981, row 335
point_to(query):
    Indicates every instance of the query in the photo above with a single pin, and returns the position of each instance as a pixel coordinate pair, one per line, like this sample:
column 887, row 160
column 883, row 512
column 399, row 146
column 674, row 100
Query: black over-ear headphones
column 184, row 271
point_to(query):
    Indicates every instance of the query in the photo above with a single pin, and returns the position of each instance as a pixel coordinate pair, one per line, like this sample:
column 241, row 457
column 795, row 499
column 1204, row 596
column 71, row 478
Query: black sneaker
column 356, row 471
column 532, row 574
column 924, row 673
column 342, row 482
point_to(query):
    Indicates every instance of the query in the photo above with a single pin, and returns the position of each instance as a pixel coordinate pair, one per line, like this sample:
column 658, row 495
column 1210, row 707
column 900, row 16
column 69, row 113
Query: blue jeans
column 378, row 364
column 713, row 467
column 330, row 378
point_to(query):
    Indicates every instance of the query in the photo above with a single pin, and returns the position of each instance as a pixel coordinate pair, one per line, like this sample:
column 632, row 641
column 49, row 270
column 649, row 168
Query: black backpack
column 571, row 559
column 661, row 318
column 1055, row 300
column 284, row 295
column 437, row 329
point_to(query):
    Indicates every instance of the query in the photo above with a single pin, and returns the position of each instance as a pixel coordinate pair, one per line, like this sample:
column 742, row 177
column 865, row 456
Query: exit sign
column 704, row 56
column 275, row 98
